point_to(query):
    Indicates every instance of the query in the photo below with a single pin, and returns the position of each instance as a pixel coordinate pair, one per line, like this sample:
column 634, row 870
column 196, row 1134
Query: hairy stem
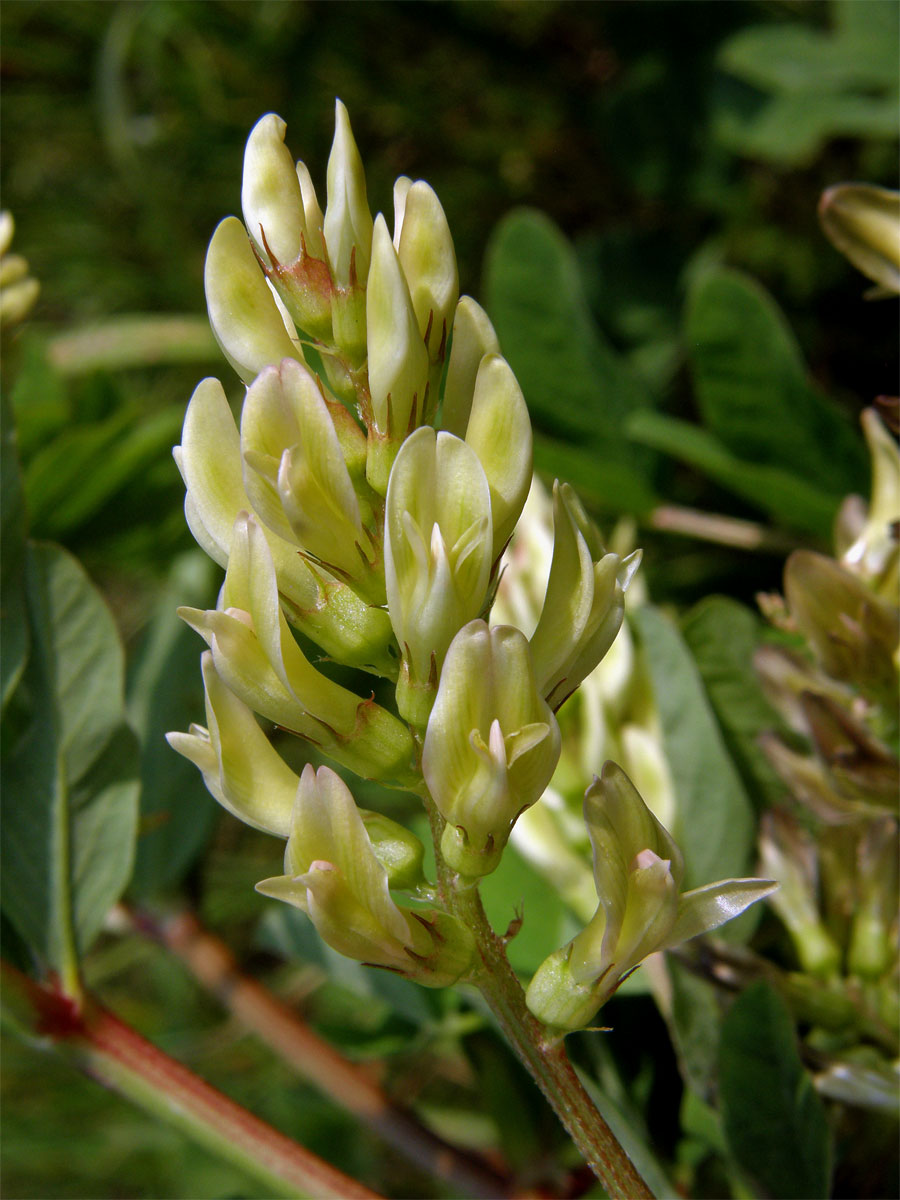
column 545, row 1059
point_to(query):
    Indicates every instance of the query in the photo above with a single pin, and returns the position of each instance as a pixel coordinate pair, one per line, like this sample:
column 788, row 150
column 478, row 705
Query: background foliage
column 632, row 191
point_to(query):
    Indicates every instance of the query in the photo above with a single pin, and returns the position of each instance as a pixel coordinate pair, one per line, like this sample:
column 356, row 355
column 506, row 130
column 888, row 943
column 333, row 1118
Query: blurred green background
column 664, row 140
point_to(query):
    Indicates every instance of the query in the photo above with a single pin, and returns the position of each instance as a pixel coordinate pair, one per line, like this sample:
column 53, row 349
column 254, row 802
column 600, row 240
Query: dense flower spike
column 491, row 745
column 638, row 871
column 381, row 461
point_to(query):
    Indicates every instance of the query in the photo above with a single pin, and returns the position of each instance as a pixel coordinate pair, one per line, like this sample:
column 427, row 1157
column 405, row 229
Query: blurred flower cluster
column 18, row 290
column 364, row 502
column 834, row 680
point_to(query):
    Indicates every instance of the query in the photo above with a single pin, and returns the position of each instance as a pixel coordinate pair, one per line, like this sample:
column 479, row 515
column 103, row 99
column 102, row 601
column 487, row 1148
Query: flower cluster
column 364, row 500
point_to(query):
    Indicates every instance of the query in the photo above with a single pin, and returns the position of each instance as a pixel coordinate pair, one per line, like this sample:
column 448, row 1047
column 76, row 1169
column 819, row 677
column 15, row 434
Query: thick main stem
column 256, row 1008
column 115, row 1055
column 546, row 1060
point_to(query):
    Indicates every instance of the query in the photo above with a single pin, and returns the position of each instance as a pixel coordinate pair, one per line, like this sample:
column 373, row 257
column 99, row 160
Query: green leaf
column 694, row 1018
column 515, row 888
column 792, row 501
column 631, row 1139
column 84, row 468
column 714, row 823
column 753, row 392
column 39, row 398
column 13, row 614
column 165, row 692
column 774, row 1120
column 579, row 391
column 814, row 84
column 723, row 636
column 69, row 799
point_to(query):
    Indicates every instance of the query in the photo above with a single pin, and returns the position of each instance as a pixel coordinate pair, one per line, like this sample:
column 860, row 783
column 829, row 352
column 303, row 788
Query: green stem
column 546, row 1059
column 101, row 1046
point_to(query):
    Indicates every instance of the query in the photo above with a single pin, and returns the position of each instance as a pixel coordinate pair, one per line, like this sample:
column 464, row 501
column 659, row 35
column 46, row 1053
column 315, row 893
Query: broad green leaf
column 83, row 468
column 815, row 84
column 789, row 499
column 165, row 692
column 507, row 1094
column 723, row 636
column 774, row 1120
column 753, row 392
column 602, row 483
column 794, row 58
column 13, row 614
column 694, row 1017
column 39, row 398
column 714, row 819
column 577, row 388
column 69, row 798
column 790, row 129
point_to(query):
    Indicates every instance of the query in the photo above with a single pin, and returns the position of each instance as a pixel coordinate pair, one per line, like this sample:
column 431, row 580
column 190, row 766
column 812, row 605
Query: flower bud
column 853, row 633
column 499, row 431
column 240, row 766
column 863, row 221
column 276, row 198
column 398, row 359
column 243, row 312
column 397, row 849
column 270, row 193
column 491, row 745
column 638, row 871
column 327, row 611
column 473, row 338
column 425, row 249
column 875, row 550
column 312, row 213
column 348, row 222
column 788, row 854
column 437, row 557
column 297, row 479
column 333, row 873
column 257, row 657
column 873, row 942
column 585, row 601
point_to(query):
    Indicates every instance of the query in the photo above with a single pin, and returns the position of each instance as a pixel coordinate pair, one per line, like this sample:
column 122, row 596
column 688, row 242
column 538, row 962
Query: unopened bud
column 473, row 338
column 333, row 873
column 243, row 312
column 425, row 249
column 437, row 556
column 348, row 222
column 398, row 359
column 863, row 221
column 585, row 601
column 499, row 431
column 491, row 746
column 298, row 481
